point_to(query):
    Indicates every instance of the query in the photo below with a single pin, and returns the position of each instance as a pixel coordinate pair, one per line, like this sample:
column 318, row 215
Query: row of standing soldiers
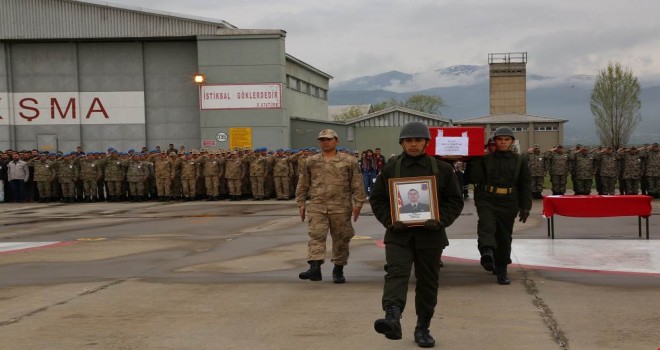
column 632, row 167
column 232, row 175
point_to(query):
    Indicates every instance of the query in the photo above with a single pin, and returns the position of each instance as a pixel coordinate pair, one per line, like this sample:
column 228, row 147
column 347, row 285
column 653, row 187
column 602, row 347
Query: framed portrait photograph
column 413, row 200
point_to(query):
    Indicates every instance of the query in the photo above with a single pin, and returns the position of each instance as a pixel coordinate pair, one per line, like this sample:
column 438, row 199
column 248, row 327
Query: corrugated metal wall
column 398, row 118
column 35, row 19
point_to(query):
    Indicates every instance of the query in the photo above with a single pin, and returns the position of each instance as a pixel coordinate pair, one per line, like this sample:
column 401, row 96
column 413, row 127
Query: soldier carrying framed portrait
column 413, row 200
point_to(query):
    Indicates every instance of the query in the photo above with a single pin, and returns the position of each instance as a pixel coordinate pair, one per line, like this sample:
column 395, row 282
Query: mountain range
column 464, row 88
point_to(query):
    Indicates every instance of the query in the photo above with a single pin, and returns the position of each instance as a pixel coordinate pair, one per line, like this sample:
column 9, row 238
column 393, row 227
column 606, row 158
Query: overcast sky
column 352, row 38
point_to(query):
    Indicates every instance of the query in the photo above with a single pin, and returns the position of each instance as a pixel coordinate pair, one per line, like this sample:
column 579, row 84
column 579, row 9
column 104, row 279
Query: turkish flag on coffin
column 456, row 142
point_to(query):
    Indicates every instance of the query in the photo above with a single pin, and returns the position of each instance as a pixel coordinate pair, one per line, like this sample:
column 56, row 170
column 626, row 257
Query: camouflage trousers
column 282, row 187
column 558, row 183
column 537, row 184
column 212, row 185
column 45, row 189
column 608, row 183
column 582, row 186
column 257, row 186
column 234, row 186
column 164, row 186
column 68, row 189
column 188, row 187
column 654, row 184
column 136, row 188
column 176, row 186
column 341, row 232
column 115, row 188
column 632, row 186
column 91, row 188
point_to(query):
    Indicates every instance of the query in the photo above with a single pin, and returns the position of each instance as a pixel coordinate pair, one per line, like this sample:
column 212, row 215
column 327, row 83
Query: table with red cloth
column 593, row 206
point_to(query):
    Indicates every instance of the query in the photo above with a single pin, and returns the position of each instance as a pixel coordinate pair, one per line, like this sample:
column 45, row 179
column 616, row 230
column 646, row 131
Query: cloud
column 357, row 38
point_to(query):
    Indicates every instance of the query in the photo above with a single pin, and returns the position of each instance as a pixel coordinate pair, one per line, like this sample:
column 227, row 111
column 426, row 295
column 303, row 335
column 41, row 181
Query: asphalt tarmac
column 224, row 275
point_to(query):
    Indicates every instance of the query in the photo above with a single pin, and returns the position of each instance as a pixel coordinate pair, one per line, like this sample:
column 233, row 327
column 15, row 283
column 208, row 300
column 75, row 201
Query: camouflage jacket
column 43, row 171
column 234, row 169
column 137, row 171
column 607, row 164
column 536, row 164
column 68, row 171
column 557, row 163
column 190, row 169
column 333, row 186
column 115, row 169
column 282, row 166
column 584, row 166
column 632, row 166
column 258, row 166
column 652, row 164
column 90, row 169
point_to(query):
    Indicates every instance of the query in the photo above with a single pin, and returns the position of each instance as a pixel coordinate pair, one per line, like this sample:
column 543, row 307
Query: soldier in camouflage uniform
column 115, row 173
column 137, row 172
column 102, row 160
column 67, row 174
column 90, row 174
column 258, row 172
column 594, row 153
column 164, row 173
column 190, row 171
column 644, row 182
column 536, row 165
column 652, row 170
column 176, row 179
column 44, row 174
column 558, row 165
column 234, row 175
column 585, row 168
column 211, row 166
column 332, row 182
column 632, row 170
column 621, row 156
column 608, row 168
column 282, row 172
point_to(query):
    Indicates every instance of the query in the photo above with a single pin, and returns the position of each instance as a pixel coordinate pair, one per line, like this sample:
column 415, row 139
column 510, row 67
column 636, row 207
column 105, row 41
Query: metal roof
column 509, row 118
column 398, row 116
column 67, row 19
column 339, row 109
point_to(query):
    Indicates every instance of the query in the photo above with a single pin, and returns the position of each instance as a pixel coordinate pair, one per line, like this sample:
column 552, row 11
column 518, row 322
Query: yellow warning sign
column 91, row 239
column 361, row 237
column 240, row 137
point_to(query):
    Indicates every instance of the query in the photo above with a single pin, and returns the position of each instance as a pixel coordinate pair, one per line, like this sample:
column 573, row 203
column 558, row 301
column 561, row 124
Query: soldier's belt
column 499, row 190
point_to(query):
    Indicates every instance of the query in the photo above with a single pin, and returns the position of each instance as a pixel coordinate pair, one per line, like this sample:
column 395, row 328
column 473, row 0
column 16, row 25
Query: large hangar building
column 100, row 75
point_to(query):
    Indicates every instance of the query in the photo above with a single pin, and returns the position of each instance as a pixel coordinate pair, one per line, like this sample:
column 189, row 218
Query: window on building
column 304, row 87
column 315, row 91
column 545, row 128
column 324, row 94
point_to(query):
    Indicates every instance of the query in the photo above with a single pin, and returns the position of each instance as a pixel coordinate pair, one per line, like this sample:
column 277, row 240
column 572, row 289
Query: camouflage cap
column 537, row 146
column 327, row 134
column 559, row 146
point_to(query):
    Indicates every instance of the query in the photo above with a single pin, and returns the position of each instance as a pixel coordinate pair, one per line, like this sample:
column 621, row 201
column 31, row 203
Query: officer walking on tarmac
column 332, row 181
column 502, row 190
column 422, row 245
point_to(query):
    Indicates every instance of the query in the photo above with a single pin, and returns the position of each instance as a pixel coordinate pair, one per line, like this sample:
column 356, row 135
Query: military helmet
column 414, row 130
column 503, row 131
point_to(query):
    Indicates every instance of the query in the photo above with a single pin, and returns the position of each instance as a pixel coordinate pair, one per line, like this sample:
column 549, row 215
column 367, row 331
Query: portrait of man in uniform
column 413, row 200
column 414, row 205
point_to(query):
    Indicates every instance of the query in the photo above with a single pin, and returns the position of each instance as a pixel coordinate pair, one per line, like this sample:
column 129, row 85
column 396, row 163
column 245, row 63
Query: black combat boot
column 314, row 272
column 502, row 276
column 488, row 259
column 423, row 336
column 390, row 326
column 338, row 274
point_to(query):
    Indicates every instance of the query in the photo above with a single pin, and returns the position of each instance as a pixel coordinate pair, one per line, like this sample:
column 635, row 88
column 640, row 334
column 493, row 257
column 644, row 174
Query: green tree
column 423, row 103
column 348, row 114
column 615, row 104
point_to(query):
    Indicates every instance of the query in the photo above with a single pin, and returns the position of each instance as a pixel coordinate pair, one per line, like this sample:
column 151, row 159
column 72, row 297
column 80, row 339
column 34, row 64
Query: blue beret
column 131, row 151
